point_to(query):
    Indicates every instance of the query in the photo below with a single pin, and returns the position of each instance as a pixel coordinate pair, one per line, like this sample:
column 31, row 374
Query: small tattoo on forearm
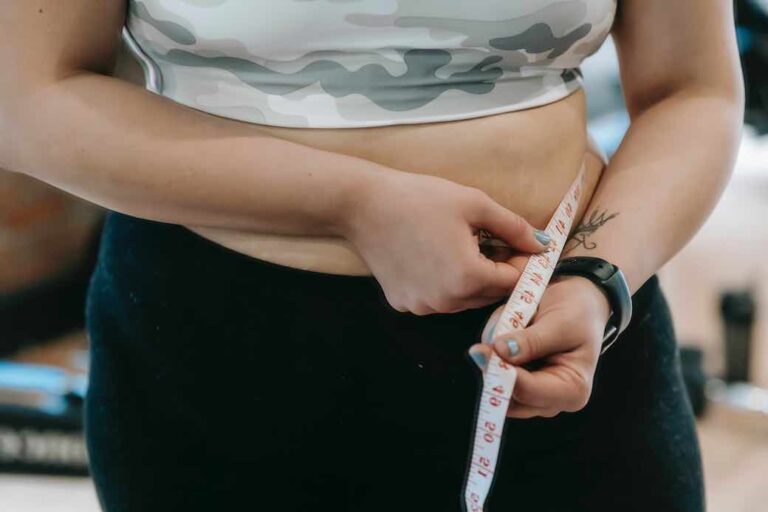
column 587, row 228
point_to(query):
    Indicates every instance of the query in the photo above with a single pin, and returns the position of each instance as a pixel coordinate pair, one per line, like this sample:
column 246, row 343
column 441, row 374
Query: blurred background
column 717, row 288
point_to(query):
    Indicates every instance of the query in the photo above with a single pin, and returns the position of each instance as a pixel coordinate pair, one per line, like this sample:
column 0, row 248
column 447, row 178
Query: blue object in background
column 608, row 130
column 30, row 377
column 608, row 118
column 54, row 385
column 745, row 39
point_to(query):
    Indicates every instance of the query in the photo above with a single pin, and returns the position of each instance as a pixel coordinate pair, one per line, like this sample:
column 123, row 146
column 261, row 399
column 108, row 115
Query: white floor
column 47, row 494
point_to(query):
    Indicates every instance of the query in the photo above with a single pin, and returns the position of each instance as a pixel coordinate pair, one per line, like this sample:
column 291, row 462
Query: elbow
column 723, row 92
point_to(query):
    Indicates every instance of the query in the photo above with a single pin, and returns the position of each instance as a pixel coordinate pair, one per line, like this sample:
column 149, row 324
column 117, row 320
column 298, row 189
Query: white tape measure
column 499, row 376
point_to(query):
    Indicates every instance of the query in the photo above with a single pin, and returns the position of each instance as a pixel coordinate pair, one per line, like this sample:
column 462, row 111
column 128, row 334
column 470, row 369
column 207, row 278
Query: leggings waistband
column 186, row 242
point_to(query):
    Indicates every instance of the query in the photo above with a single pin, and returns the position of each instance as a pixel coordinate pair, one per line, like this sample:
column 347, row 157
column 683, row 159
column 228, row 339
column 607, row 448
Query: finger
column 495, row 277
column 548, row 335
column 509, row 227
column 521, row 411
column 519, row 260
column 480, row 354
column 499, row 292
column 559, row 387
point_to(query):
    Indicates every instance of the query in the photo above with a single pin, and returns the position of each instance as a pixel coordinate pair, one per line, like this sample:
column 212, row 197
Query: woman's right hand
column 418, row 234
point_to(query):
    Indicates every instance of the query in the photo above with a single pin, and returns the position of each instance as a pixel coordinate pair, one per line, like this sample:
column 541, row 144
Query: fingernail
column 514, row 348
column 479, row 359
column 542, row 237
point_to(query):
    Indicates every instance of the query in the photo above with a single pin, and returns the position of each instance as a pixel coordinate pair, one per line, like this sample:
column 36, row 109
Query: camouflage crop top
column 354, row 63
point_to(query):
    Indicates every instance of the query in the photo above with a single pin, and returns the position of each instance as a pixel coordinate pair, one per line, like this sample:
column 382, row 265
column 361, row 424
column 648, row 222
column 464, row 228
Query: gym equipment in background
column 41, row 420
column 737, row 309
column 733, row 389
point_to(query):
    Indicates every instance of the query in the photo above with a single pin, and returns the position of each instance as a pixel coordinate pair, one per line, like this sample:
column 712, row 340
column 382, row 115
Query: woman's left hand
column 556, row 355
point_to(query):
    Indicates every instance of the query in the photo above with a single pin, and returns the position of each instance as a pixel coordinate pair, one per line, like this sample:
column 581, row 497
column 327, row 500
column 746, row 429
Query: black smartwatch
column 611, row 281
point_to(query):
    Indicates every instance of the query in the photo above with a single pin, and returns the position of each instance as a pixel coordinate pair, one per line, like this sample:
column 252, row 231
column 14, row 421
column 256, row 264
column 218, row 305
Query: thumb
column 510, row 227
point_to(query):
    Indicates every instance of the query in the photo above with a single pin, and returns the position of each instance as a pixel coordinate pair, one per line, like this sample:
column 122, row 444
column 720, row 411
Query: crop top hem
column 548, row 97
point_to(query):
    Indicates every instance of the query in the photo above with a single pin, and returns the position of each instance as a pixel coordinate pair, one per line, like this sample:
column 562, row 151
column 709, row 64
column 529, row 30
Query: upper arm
column 44, row 40
column 669, row 46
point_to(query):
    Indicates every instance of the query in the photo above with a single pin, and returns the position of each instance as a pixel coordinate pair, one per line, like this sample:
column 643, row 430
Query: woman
column 282, row 308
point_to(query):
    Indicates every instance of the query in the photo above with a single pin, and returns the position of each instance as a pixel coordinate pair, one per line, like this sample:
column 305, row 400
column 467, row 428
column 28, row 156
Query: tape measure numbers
column 499, row 376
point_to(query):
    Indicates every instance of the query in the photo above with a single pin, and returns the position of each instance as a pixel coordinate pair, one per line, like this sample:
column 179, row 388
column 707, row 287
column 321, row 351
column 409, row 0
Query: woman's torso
column 524, row 160
column 523, row 146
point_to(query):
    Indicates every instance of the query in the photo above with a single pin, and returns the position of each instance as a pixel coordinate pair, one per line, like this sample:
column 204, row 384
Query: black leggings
column 224, row 382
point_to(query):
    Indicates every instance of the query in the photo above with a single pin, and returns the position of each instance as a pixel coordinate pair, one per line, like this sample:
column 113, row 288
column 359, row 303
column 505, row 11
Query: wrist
column 591, row 295
column 610, row 280
column 347, row 211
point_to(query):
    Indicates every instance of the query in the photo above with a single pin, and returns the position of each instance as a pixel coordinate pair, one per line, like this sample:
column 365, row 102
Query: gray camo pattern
column 346, row 63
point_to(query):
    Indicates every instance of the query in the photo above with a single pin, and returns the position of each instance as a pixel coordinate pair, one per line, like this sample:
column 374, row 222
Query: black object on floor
column 737, row 310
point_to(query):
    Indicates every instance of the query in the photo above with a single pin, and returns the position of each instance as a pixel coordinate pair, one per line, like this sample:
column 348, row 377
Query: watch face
column 605, row 270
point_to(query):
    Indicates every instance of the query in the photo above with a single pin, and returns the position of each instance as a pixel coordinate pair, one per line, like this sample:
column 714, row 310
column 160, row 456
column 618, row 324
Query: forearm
column 661, row 184
column 122, row 147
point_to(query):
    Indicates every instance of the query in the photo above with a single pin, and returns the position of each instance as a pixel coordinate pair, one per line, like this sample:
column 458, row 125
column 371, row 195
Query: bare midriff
column 525, row 160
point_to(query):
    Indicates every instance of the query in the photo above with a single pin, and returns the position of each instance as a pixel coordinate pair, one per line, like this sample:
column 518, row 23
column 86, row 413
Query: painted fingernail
column 542, row 237
column 479, row 359
column 514, row 348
